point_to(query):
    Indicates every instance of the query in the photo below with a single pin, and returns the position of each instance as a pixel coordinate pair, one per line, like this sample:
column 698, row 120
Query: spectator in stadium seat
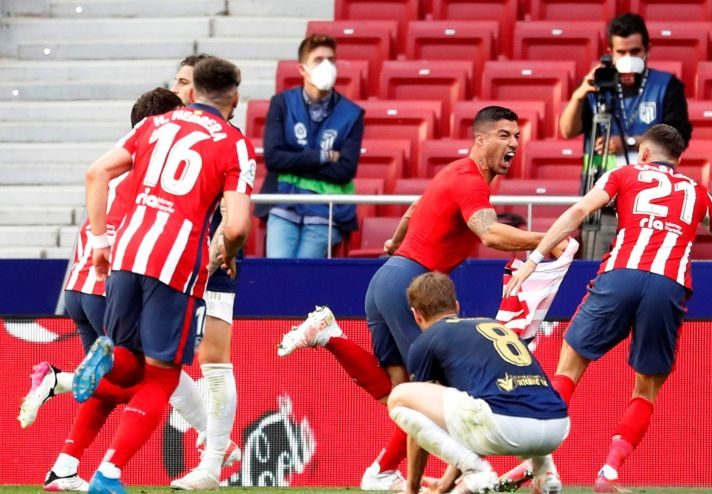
column 478, row 391
column 312, row 145
column 649, row 97
column 643, row 283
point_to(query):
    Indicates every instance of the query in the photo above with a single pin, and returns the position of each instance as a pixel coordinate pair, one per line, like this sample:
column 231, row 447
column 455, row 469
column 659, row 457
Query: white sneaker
column 548, row 483
column 375, row 480
column 44, row 380
column 54, row 483
column 316, row 330
column 196, row 479
column 477, row 483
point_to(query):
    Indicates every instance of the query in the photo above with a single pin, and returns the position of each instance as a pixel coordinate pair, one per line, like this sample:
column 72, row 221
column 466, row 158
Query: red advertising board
column 302, row 421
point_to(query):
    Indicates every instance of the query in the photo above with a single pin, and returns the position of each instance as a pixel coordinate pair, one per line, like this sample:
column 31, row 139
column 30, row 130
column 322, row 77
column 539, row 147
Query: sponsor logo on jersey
column 657, row 224
column 147, row 199
column 509, row 382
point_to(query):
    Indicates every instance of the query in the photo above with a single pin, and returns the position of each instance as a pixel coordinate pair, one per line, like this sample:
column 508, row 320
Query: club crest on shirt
column 300, row 132
column 648, row 111
column 328, row 137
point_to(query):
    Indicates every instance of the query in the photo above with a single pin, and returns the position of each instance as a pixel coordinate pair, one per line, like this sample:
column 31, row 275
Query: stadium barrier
column 302, row 422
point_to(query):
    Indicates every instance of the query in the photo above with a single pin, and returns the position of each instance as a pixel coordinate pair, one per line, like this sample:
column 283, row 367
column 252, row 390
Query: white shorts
column 220, row 305
column 470, row 421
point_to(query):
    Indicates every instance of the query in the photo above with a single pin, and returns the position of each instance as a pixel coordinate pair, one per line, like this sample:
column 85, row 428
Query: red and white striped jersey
column 82, row 277
column 183, row 161
column 658, row 214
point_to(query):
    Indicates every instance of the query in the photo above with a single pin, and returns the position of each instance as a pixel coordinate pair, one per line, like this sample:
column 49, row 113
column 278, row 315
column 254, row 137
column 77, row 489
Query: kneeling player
column 493, row 397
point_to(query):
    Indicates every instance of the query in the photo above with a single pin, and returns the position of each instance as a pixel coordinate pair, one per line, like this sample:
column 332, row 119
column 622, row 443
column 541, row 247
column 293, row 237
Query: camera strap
column 628, row 120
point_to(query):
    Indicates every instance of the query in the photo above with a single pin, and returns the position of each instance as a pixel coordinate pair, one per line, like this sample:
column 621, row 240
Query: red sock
column 88, row 421
column 112, row 393
column 565, row 386
column 143, row 413
column 620, row 450
column 635, row 422
column 128, row 367
column 361, row 366
column 395, row 451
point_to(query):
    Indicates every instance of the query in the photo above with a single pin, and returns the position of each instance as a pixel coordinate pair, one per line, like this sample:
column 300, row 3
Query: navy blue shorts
column 393, row 328
column 87, row 312
column 650, row 304
column 145, row 315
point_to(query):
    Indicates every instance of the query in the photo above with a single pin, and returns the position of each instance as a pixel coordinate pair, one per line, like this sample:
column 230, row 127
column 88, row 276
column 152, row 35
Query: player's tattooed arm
column 499, row 236
column 481, row 221
column 215, row 259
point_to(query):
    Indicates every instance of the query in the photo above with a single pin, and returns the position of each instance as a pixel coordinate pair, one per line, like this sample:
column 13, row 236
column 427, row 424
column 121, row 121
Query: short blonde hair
column 432, row 294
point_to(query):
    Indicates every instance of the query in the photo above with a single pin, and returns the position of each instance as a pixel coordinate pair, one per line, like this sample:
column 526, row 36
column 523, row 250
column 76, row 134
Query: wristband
column 100, row 241
column 536, row 257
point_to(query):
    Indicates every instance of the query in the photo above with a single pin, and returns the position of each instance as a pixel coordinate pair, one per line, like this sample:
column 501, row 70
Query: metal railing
column 331, row 199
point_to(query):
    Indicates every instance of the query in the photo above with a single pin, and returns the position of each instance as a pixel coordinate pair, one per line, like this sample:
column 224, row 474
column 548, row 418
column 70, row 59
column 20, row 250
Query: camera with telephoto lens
column 605, row 78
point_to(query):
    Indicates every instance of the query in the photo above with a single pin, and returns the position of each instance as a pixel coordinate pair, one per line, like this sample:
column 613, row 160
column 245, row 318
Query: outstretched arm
column 391, row 245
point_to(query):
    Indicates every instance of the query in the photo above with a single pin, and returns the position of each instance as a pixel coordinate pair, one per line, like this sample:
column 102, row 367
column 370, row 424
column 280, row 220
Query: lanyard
column 628, row 120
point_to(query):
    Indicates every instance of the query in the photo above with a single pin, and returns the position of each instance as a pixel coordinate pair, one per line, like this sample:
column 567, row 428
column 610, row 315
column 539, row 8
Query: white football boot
column 316, row 330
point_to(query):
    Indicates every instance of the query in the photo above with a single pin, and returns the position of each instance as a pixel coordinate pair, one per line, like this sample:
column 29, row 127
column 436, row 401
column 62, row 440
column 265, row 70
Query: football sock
column 65, row 465
column 187, row 401
column 128, row 367
column 635, row 422
column 565, row 386
column 88, row 421
column 395, row 451
column 437, row 441
column 109, row 470
column 64, row 382
column 543, row 464
column 222, row 403
column 143, row 413
column 361, row 366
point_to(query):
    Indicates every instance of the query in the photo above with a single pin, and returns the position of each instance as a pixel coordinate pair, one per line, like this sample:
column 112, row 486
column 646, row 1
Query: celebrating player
column 181, row 164
column 479, row 392
column 643, row 282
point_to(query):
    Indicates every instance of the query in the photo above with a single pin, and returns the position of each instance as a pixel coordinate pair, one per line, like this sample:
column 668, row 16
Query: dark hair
column 312, row 42
column 154, row 102
column 667, row 138
column 192, row 60
column 215, row 78
column 432, row 294
column 491, row 114
column 626, row 25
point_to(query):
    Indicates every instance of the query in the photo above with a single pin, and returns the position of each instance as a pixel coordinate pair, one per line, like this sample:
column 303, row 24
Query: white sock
column 65, row 465
column 222, row 403
column 187, row 401
column 609, row 472
column 437, row 441
column 109, row 470
column 543, row 464
column 64, row 382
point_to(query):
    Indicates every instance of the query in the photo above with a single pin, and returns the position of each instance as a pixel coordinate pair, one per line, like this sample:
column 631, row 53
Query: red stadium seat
column 405, row 186
column 530, row 80
column 256, row 117
column 580, row 41
column 672, row 66
column 553, row 159
column 383, row 159
column 700, row 113
column 436, row 154
column 368, row 186
column 471, row 41
column 696, row 160
column 502, row 11
column 444, row 81
column 350, row 81
column 673, row 10
column 401, row 11
column 537, row 187
column 703, row 89
column 259, row 158
column 686, row 42
column 361, row 40
column 576, row 10
column 412, row 120
column 374, row 233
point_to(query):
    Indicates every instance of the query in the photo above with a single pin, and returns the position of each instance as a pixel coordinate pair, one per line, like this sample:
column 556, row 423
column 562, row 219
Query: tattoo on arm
column 481, row 221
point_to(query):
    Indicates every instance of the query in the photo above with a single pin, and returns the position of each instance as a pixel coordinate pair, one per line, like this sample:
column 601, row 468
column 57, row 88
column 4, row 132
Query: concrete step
column 311, row 9
column 23, row 253
column 29, row 236
column 118, row 111
column 259, row 27
column 103, row 49
column 23, row 153
column 76, row 90
column 68, row 236
column 43, row 174
column 23, row 7
column 132, row 8
column 276, row 48
column 58, row 253
column 31, row 215
column 62, row 131
column 42, row 195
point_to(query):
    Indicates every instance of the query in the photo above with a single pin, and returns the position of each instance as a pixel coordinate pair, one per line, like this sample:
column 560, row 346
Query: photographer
column 637, row 96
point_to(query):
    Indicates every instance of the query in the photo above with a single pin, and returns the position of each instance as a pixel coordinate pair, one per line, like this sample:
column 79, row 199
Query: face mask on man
column 323, row 76
column 630, row 69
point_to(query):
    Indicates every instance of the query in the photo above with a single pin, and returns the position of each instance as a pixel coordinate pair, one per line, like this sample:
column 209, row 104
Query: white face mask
column 323, row 76
column 630, row 65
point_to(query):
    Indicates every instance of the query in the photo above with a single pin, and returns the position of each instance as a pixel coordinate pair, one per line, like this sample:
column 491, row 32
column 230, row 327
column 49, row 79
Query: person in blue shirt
column 476, row 391
column 312, row 145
